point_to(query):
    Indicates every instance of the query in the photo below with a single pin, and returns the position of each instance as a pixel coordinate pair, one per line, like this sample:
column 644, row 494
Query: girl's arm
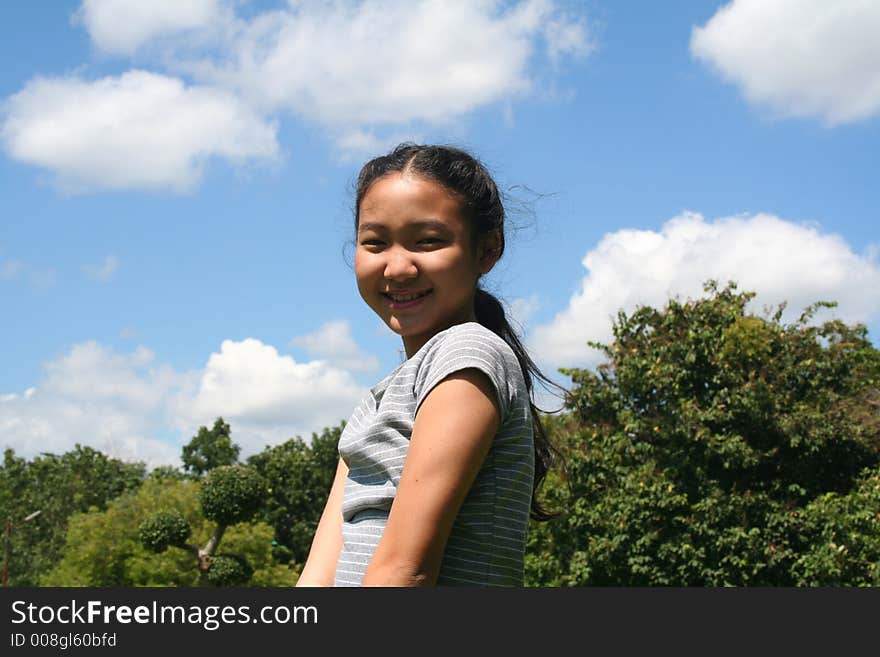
column 452, row 434
column 320, row 568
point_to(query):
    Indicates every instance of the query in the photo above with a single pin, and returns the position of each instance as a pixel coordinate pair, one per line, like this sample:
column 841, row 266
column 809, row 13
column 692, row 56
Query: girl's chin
column 406, row 329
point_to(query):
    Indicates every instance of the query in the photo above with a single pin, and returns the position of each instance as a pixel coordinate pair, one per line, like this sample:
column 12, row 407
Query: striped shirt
column 486, row 545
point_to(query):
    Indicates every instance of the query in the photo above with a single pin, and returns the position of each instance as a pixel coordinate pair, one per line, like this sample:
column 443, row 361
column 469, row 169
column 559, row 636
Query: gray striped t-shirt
column 487, row 543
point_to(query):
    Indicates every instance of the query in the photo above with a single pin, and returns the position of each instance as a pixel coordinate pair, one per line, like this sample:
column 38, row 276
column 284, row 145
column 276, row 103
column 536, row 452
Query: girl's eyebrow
column 430, row 224
column 420, row 225
column 364, row 226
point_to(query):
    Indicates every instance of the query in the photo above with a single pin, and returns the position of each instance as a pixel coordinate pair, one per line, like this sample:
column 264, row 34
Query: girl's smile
column 415, row 262
column 399, row 300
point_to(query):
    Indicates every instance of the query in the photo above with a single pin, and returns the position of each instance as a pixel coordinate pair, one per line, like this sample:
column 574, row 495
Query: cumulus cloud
column 778, row 259
column 365, row 71
column 94, row 396
column 806, row 58
column 385, row 62
column 139, row 129
column 130, row 406
column 334, row 343
column 103, row 272
column 354, row 67
column 269, row 397
column 124, row 26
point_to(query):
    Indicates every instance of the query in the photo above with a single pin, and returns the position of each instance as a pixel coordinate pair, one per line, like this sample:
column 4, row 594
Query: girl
column 439, row 464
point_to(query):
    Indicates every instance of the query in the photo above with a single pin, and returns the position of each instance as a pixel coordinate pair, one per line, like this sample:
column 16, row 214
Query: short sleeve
column 464, row 347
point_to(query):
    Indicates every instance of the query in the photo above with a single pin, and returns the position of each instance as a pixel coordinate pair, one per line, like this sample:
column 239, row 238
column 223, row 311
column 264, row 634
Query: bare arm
column 320, row 568
column 452, row 434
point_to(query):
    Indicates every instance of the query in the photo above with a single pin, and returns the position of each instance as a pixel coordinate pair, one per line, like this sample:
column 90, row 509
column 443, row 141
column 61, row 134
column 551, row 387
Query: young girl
column 439, row 463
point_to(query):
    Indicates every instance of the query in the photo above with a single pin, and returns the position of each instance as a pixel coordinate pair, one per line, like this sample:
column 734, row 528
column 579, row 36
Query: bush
column 162, row 529
column 229, row 570
column 231, row 494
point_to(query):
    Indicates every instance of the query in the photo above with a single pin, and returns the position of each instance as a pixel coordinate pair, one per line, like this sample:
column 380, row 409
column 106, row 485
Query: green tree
column 105, row 548
column 228, row 495
column 210, row 449
column 57, row 486
column 716, row 447
column 298, row 477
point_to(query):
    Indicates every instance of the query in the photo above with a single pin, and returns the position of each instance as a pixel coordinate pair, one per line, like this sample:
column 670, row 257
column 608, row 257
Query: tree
column 228, row 495
column 716, row 447
column 57, row 486
column 298, row 478
column 210, row 449
column 104, row 548
column 285, row 486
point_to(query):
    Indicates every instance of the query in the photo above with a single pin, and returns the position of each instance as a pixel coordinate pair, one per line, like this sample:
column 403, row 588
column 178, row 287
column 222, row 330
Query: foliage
column 841, row 537
column 716, row 447
column 298, row 478
column 57, row 486
column 210, row 449
column 163, row 529
column 229, row 570
column 231, row 494
column 167, row 472
column 103, row 548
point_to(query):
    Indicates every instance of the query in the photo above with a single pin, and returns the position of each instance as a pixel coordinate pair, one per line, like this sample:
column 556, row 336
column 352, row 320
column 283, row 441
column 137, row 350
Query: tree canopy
column 56, row 486
column 105, row 548
column 716, row 447
column 298, row 477
column 209, row 449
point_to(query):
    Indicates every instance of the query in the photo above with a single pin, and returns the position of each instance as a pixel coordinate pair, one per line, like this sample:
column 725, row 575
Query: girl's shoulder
column 463, row 346
column 470, row 338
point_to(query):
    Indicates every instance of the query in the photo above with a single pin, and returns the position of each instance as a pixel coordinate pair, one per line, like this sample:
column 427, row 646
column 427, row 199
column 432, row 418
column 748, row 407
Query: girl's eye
column 430, row 242
column 374, row 243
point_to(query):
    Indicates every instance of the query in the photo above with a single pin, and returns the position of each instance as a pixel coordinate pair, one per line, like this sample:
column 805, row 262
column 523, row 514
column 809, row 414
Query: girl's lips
column 397, row 305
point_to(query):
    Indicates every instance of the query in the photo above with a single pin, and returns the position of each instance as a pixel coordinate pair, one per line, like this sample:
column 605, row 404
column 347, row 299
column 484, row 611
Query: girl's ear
column 489, row 252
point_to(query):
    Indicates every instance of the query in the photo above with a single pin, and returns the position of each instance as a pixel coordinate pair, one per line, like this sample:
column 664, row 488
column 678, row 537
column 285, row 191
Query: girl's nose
column 400, row 265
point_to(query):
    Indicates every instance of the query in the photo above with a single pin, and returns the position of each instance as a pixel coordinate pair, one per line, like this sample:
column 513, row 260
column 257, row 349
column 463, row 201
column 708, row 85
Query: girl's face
column 415, row 263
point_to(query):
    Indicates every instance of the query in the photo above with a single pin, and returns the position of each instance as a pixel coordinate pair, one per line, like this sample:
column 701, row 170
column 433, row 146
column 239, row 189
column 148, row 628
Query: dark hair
column 482, row 206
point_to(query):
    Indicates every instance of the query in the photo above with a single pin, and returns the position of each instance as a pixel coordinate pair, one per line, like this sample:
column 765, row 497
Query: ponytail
column 490, row 313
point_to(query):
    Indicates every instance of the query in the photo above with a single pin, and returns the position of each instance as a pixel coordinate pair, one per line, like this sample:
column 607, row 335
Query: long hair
column 482, row 207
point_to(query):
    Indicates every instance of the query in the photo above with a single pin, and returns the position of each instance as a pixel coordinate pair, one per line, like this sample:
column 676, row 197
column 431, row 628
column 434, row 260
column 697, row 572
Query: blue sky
column 176, row 182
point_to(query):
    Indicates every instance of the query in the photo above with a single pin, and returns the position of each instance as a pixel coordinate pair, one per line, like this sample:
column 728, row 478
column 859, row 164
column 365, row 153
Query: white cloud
column 268, row 397
column 134, row 408
column 334, row 343
column 93, row 396
column 124, row 26
column 140, row 129
column 567, row 37
column 358, row 144
column 778, row 259
column 365, row 71
column 386, row 62
column 807, row 58
column 104, row 271
column 522, row 309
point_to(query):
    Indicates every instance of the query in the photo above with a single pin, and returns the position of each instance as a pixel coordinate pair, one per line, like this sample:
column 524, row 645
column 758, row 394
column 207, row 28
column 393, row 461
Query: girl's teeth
column 408, row 297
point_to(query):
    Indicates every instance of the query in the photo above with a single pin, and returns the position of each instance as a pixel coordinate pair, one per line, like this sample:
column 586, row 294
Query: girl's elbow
column 399, row 572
